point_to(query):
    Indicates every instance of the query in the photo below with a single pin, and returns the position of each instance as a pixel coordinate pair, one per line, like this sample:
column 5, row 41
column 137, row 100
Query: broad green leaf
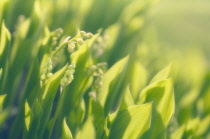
column 2, row 98
column 66, row 133
column 87, row 131
column 127, row 100
column 178, row 133
column 108, row 83
column 131, row 122
column 138, row 79
column 204, row 126
column 162, row 94
column 96, row 111
column 191, row 127
column 163, row 74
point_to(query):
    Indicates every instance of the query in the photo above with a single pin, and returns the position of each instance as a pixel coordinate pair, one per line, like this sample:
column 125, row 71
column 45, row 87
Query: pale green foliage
column 57, row 81
column 132, row 122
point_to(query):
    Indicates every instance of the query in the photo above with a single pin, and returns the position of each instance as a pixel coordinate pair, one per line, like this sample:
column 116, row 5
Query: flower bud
column 49, row 75
column 43, row 77
column 72, row 66
column 71, row 47
column 82, row 33
column 67, row 39
column 69, row 72
column 80, row 41
column 50, row 68
column 89, row 35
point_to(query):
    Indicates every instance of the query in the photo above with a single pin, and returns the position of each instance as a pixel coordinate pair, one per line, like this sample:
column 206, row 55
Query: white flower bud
column 44, row 71
column 65, row 79
column 69, row 72
column 50, row 68
column 49, row 75
column 70, row 79
column 70, row 47
column 82, row 33
column 72, row 66
column 89, row 35
column 67, row 39
column 62, row 83
column 80, row 41
column 43, row 77
column 49, row 61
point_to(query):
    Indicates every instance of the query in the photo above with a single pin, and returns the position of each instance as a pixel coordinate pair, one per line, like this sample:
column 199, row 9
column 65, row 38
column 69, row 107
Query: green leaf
column 110, row 85
column 163, row 74
column 178, row 133
column 36, row 113
column 162, row 94
column 28, row 116
column 3, row 113
column 131, row 122
column 86, row 131
column 191, row 127
column 66, row 133
column 97, row 112
column 48, row 96
column 204, row 126
column 127, row 100
column 5, row 38
column 138, row 79
column 3, row 5
column 5, row 42
column 2, row 98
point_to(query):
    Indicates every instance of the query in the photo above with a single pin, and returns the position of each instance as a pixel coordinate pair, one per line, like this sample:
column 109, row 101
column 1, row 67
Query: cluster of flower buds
column 56, row 35
column 85, row 35
column 79, row 41
column 99, row 45
column 97, row 71
column 47, row 71
column 68, row 76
